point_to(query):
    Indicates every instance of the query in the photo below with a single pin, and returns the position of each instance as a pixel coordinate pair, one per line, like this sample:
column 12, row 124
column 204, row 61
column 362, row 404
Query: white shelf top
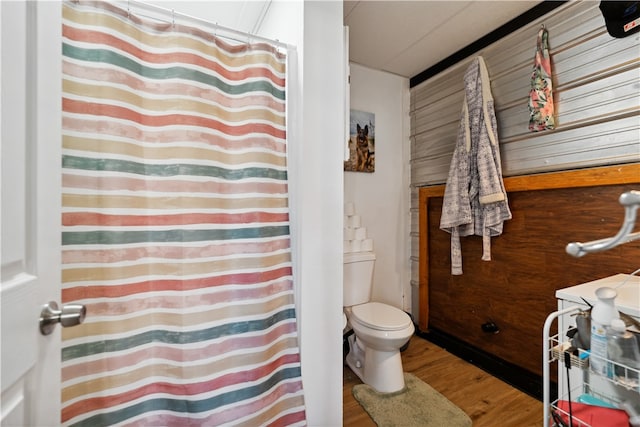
column 627, row 301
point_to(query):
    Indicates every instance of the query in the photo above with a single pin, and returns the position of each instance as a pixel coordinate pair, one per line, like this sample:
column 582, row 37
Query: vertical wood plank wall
column 596, row 85
column 516, row 289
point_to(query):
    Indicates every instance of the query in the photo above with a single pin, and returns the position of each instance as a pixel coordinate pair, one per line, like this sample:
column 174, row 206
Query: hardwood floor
column 487, row 400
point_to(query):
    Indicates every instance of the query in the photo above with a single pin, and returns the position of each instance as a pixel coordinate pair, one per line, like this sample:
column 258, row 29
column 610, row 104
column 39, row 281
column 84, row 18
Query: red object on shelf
column 595, row 416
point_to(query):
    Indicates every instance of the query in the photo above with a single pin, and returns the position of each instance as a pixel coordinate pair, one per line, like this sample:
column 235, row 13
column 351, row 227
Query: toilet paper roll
column 354, row 221
column 361, row 233
column 347, row 247
column 367, row 245
column 349, row 208
column 356, row 245
column 349, row 233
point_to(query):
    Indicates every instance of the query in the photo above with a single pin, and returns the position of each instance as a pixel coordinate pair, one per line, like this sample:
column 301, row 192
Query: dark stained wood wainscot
column 516, row 289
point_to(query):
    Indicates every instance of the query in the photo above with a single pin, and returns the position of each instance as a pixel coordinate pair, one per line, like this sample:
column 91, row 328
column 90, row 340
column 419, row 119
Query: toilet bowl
column 380, row 330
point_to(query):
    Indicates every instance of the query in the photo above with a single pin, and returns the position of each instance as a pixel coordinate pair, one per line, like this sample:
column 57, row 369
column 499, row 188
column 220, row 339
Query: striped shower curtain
column 175, row 227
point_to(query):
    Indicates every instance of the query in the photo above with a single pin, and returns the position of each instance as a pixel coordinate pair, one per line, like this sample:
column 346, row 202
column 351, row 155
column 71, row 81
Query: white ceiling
column 240, row 15
column 407, row 37
column 397, row 36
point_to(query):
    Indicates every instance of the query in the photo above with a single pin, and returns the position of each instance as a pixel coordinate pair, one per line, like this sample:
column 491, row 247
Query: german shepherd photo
column 361, row 143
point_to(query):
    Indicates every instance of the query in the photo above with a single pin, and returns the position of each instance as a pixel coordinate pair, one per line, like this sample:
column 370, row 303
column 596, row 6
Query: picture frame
column 362, row 152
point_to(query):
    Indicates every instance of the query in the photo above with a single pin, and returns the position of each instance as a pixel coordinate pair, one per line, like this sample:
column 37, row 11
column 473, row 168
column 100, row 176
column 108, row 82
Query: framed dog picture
column 362, row 142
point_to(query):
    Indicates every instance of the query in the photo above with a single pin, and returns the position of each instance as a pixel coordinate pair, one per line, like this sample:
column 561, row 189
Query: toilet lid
column 380, row 316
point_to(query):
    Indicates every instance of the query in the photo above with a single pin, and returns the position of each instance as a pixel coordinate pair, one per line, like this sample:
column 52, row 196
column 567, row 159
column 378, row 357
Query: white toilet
column 379, row 329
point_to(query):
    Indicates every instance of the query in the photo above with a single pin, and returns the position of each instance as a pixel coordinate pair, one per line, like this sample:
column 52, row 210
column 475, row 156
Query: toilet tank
column 357, row 277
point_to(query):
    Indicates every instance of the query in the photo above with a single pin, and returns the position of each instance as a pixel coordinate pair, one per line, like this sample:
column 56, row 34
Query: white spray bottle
column 602, row 313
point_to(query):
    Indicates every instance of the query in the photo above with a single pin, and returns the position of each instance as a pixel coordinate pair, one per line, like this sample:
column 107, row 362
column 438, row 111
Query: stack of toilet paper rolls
column 355, row 235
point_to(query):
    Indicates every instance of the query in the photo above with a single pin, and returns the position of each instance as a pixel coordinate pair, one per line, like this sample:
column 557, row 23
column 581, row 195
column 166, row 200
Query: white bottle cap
column 618, row 325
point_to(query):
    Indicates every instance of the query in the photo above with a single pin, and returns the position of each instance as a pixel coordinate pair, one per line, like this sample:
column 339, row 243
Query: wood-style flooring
column 489, row 401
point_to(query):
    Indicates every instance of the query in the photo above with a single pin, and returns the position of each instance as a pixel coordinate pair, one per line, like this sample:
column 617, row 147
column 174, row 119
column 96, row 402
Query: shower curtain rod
column 171, row 13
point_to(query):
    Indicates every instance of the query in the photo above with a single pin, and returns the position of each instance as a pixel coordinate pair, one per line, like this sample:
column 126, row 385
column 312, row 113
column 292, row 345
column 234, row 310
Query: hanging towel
column 475, row 201
column 541, row 108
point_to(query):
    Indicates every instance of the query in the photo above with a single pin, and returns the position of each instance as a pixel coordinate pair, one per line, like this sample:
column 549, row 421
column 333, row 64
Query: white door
column 30, row 70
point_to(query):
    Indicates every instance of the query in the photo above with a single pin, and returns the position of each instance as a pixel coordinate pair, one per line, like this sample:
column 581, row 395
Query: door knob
column 69, row 315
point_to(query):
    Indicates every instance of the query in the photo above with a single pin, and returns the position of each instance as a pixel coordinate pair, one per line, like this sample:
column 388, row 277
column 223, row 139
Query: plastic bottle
column 602, row 313
column 634, row 415
column 622, row 349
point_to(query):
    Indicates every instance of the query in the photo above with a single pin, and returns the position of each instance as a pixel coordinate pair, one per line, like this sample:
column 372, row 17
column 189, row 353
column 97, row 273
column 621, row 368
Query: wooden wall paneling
column 596, row 112
column 517, row 288
column 595, row 80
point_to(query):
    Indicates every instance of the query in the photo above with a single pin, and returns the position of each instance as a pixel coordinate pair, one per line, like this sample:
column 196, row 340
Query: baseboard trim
column 517, row 377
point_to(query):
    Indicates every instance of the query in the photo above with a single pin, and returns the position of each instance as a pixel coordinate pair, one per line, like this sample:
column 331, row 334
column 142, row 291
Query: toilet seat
column 381, row 317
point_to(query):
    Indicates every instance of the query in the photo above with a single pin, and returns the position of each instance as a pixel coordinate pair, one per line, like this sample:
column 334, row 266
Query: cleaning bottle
column 602, row 313
column 634, row 414
column 622, row 349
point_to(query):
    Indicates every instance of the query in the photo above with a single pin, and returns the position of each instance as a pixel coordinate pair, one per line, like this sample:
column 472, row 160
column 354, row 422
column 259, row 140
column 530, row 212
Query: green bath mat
column 417, row 405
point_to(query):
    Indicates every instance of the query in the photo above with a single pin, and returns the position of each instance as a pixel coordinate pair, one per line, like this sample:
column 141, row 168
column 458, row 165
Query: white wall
column 381, row 198
column 316, row 188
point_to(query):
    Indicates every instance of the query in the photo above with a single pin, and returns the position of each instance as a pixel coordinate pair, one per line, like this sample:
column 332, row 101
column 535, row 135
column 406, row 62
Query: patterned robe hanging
column 541, row 108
